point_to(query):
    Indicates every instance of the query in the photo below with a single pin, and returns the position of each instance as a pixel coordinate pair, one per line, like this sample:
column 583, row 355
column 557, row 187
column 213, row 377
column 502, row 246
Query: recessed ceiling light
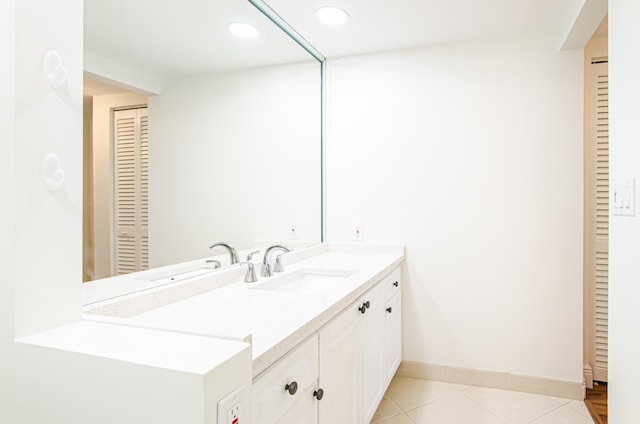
column 331, row 15
column 242, row 30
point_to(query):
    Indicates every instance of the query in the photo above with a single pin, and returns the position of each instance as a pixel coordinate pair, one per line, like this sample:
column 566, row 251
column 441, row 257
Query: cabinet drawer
column 381, row 292
column 270, row 398
column 391, row 284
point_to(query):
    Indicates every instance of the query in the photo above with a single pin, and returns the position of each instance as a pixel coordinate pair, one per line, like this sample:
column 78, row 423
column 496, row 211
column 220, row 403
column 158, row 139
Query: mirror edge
column 273, row 16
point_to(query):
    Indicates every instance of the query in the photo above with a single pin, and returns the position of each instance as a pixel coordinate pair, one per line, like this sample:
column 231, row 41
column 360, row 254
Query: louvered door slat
column 600, row 225
column 131, row 188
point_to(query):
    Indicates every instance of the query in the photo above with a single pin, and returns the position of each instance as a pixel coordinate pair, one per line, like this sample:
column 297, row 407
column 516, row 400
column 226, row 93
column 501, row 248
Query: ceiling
column 165, row 38
column 377, row 25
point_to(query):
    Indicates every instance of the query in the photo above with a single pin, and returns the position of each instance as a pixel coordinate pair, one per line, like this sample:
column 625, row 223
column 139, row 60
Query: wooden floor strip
column 596, row 403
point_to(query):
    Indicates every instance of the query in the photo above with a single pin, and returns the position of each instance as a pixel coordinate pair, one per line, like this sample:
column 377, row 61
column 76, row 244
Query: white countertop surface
column 148, row 347
column 273, row 321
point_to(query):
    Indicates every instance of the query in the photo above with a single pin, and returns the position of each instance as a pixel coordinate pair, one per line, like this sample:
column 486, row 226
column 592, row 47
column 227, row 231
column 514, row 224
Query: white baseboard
column 493, row 379
column 587, row 372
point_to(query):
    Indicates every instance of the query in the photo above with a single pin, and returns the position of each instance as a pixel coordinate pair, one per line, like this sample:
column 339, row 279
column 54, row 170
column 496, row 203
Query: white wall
column 234, row 157
column 48, row 255
column 7, row 193
column 39, row 236
column 624, row 237
column 471, row 155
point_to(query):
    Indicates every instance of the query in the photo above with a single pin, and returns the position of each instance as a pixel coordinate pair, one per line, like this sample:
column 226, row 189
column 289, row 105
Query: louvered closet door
column 131, row 188
column 599, row 262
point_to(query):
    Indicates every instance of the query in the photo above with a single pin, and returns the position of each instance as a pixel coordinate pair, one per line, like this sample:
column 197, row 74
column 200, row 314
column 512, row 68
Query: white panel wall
column 234, row 157
column 471, row 155
column 40, row 231
column 7, row 269
column 48, row 255
column 624, row 238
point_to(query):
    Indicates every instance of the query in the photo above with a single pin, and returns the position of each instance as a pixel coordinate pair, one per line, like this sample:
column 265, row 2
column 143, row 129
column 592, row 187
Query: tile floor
column 414, row 401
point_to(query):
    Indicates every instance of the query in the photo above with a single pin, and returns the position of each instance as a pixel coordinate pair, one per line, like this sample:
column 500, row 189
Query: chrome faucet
column 216, row 263
column 250, row 276
column 266, row 268
column 232, row 251
column 250, row 255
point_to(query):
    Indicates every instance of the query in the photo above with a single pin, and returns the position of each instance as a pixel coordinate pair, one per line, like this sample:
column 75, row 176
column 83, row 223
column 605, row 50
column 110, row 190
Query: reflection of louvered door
column 599, row 222
column 131, row 188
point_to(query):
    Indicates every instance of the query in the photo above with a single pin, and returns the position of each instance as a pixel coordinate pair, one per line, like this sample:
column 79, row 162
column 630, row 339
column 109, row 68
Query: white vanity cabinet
column 342, row 371
column 360, row 351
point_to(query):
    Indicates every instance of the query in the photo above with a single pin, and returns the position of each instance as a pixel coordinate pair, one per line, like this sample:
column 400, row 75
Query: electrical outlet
column 293, row 232
column 234, row 414
column 357, row 232
column 230, row 408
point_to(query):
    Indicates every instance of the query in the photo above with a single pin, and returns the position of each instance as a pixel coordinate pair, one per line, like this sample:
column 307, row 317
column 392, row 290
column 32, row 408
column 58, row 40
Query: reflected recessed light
column 242, row 30
column 332, row 15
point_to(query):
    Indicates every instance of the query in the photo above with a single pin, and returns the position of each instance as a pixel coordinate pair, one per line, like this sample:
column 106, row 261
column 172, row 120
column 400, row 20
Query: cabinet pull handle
column 318, row 394
column 395, row 283
column 389, row 309
column 292, row 388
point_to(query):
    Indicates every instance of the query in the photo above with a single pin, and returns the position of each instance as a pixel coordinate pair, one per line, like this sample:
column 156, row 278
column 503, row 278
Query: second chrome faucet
column 233, row 254
column 266, row 267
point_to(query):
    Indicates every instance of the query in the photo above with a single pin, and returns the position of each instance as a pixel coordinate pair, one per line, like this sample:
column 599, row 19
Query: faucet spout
column 233, row 254
column 266, row 268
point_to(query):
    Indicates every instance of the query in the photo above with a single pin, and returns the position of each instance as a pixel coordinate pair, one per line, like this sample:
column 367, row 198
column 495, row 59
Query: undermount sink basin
column 307, row 281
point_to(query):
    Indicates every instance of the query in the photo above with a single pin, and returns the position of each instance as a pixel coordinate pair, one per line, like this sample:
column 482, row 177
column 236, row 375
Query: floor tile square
column 579, row 407
column 513, row 407
column 398, row 419
column 457, row 408
column 386, row 410
column 409, row 393
column 563, row 415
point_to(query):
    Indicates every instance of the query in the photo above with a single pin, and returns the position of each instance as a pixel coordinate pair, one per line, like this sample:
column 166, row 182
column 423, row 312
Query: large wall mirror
column 193, row 135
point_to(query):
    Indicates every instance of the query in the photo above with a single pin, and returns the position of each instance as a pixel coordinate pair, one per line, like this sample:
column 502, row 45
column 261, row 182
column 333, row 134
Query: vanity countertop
column 159, row 349
column 273, row 321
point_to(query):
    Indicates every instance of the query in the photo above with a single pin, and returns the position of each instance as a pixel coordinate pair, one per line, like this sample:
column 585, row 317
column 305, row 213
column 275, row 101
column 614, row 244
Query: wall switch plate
column 357, row 232
column 230, row 408
column 623, row 198
column 293, row 232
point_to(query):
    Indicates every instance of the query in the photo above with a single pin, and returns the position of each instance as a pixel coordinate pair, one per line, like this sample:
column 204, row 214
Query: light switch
column 624, row 198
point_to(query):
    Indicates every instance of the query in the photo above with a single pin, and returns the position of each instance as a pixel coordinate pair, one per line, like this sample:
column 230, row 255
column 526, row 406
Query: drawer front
column 381, row 292
column 271, row 399
column 392, row 284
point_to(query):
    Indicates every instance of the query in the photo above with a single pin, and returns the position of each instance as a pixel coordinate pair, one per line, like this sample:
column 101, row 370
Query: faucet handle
column 216, row 263
column 265, row 271
column 250, row 276
column 250, row 255
column 278, row 265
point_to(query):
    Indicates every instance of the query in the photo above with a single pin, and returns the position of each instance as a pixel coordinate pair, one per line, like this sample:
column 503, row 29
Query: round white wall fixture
column 54, row 71
column 331, row 15
column 52, row 172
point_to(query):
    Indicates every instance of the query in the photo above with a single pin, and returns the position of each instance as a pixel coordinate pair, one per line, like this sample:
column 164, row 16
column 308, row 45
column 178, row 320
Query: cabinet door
column 374, row 345
column 393, row 337
column 340, row 369
column 305, row 410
